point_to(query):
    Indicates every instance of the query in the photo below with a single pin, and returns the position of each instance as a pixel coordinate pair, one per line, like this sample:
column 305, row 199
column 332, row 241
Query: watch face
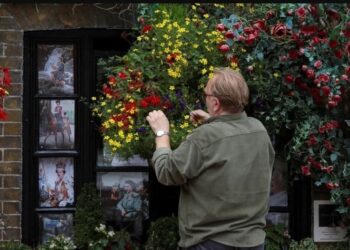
column 160, row 133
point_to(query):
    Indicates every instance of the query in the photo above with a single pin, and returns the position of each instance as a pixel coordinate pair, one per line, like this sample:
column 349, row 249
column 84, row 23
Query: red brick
column 12, row 129
column 10, row 194
column 14, row 115
column 12, row 62
column 13, row 102
column 12, row 155
column 12, row 220
column 15, row 89
column 12, row 181
column 10, row 168
column 10, row 142
column 11, row 234
column 11, row 208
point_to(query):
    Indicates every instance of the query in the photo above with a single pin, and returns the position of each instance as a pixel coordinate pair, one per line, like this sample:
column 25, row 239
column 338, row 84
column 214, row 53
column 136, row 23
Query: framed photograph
column 56, row 69
column 56, row 182
column 56, row 124
column 328, row 226
column 51, row 225
column 279, row 185
column 125, row 199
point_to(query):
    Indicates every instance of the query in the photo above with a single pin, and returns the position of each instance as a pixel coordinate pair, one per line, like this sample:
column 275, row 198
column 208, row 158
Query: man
column 224, row 168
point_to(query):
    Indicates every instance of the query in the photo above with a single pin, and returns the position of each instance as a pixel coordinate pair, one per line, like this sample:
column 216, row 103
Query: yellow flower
column 103, row 104
column 210, row 76
column 93, row 98
column 186, row 117
column 120, row 124
column 206, row 16
column 195, row 46
column 203, row 61
column 204, row 71
column 121, row 134
column 276, row 75
column 172, row 87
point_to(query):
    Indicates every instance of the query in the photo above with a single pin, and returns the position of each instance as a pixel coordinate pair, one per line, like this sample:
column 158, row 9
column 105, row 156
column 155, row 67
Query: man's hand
column 198, row 116
column 158, row 121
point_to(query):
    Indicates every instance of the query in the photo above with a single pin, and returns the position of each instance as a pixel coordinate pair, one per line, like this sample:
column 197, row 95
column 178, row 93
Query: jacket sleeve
column 176, row 167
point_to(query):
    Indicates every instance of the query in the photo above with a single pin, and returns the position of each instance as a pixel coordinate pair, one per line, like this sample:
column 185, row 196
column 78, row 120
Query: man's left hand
column 158, row 121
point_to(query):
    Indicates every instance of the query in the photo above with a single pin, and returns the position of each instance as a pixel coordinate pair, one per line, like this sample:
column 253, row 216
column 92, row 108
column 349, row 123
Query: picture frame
column 56, row 182
column 327, row 224
column 57, row 124
column 55, row 66
column 51, row 225
column 125, row 199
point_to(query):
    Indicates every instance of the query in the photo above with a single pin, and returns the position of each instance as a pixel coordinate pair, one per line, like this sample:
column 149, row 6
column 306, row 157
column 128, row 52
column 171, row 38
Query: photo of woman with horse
column 56, row 130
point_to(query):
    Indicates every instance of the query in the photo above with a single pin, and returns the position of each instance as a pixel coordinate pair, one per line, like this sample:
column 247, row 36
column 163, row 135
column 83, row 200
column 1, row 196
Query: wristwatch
column 160, row 133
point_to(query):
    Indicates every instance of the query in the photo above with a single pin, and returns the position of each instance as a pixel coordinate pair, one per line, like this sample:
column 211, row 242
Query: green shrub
column 304, row 244
column 275, row 238
column 88, row 215
column 163, row 234
column 11, row 245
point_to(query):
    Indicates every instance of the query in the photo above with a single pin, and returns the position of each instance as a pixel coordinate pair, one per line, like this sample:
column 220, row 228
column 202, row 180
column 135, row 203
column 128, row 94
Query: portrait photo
column 55, row 69
column 328, row 224
column 125, row 199
column 56, row 182
column 56, row 124
column 51, row 225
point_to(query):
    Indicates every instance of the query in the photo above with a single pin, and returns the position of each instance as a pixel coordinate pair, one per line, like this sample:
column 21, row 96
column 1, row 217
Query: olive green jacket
column 224, row 168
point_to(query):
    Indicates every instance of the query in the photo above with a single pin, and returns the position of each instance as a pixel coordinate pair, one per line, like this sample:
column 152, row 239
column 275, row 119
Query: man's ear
column 216, row 104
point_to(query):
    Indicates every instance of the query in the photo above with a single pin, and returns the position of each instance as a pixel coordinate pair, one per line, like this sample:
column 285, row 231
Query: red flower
column 111, row 80
column 270, row 14
column 2, row 92
column 318, row 64
column 224, row 48
column 122, row 75
column 143, row 103
column 289, row 79
column 310, row 73
column 107, row 90
column 221, row 27
column 300, row 13
column 229, row 34
column 6, row 77
column 130, row 106
column 328, row 169
column 338, row 53
column 154, row 100
column 279, row 30
column 332, row 13
column 325, row 90
column 147, row 28
column 308, row 30
column 312, row 140
column 328, row 145
column 259, row 24
column 237, row 25
column 3, row 114
column 293, row 54
column 323, row 78
column 332, row 44
column 305, row 170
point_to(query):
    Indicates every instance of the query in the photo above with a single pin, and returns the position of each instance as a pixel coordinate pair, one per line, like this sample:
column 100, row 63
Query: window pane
column 279, row 184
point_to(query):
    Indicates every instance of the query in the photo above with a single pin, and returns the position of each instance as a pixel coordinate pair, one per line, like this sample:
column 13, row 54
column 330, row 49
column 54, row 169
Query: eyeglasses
column 205, row 95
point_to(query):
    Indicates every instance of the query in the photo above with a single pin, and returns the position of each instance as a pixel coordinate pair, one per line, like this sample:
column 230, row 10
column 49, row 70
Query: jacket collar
column 224, row 118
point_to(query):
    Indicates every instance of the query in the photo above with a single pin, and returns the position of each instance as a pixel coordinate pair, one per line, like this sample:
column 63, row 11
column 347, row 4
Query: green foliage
column 114, row 240
column 13, row 246
column 88, row 215
column 163, row 234
column 275, row 237
column 304, row 244
column 58, row 242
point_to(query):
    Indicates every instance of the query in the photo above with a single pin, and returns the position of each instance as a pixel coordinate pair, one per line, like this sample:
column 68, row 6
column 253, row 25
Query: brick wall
column 11, row 55
column 15, row 19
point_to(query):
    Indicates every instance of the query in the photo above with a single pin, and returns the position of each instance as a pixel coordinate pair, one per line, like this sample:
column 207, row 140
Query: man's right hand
column 198, row 116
